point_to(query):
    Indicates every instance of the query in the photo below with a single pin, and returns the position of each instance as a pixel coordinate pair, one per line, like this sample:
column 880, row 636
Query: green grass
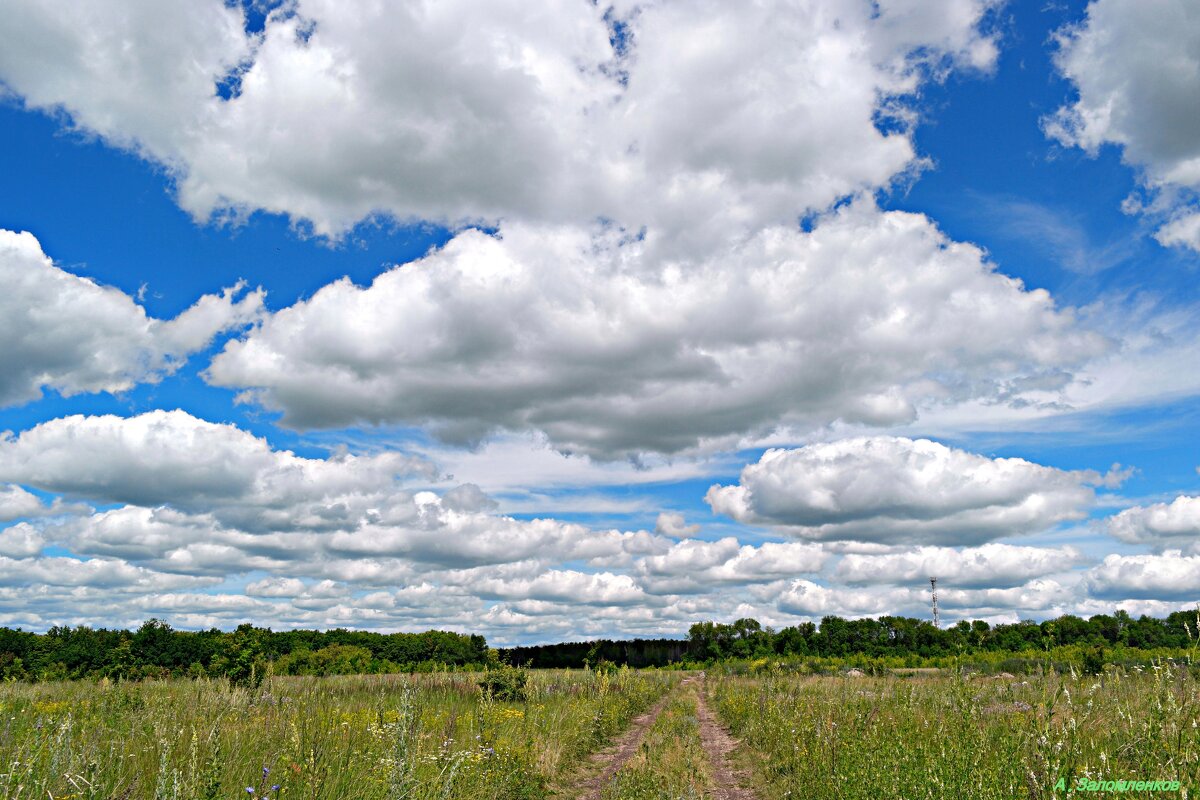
column 437, row 736
column 425, row 736
column 952, row 736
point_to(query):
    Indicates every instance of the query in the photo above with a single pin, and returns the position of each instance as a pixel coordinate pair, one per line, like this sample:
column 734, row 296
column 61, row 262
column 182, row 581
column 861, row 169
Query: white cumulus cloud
column 610, row 351
column 466, row 110
column 990, row 565
column 1160, row 525
column 1169, row 575
column 893, row 489
column 694, row 566
column 65, row 332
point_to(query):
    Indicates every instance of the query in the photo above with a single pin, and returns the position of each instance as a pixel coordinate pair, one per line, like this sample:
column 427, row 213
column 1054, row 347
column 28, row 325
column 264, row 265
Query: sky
column 560, row 321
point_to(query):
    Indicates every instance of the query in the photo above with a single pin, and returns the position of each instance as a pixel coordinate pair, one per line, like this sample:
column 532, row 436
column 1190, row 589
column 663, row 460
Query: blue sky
column 617, row 310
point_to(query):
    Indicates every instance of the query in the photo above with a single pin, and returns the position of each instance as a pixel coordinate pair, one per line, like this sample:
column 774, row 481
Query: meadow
column 734, row 731
column 394, row 736
column 954, row 735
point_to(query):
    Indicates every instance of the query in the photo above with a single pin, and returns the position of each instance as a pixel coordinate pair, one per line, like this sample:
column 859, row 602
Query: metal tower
column 937, row 622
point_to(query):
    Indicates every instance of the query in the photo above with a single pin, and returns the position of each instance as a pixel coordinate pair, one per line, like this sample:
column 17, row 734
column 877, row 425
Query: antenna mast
column 937, row 622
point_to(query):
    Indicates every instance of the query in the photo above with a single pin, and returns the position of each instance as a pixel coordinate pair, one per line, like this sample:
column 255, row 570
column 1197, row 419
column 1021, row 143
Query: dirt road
column 719, row 745
column 715, row 741
column 606, row 763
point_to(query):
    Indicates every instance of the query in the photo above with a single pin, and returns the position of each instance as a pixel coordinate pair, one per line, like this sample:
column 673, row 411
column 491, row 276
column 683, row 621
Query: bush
column 505, row 683
column 605, row 667
column 1093, row 661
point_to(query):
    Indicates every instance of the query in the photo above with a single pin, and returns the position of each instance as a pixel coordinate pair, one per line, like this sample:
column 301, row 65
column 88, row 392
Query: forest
column 248, row 653
column 156, row 650
column 836, row 637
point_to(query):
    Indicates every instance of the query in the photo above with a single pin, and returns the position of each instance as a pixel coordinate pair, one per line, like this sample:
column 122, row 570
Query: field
column 427, row 736
column 970, row 737
column 627, row 735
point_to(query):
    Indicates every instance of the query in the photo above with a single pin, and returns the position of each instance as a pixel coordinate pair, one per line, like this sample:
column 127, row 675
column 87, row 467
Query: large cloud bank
column 555, row 113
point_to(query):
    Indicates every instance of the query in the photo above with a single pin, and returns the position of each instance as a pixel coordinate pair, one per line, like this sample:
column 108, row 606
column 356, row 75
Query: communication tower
column 937, row 622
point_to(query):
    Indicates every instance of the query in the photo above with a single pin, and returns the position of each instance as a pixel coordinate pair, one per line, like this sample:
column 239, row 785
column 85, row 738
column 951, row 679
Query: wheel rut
column 727, row 782
column 609, row 761
column 718, row 746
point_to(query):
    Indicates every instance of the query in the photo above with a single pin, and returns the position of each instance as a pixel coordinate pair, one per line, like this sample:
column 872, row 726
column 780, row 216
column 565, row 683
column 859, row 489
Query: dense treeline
column 574, row 655
column 901, row 637
column 247, row 654
column 243, row 655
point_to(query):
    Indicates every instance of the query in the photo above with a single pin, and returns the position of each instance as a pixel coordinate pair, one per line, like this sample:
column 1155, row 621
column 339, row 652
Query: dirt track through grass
column 719, row 745
column 678, row 750
column 606, row 763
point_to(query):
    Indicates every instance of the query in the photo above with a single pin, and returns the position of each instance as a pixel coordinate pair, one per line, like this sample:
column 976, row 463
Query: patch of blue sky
column 1048, row 215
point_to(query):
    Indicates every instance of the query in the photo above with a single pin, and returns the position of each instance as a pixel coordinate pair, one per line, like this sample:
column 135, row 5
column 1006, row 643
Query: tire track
column 615, row 756
column 718, row 745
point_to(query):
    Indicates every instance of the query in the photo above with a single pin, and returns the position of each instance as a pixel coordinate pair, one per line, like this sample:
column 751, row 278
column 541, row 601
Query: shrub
column 1093, row 661
column 505, row 683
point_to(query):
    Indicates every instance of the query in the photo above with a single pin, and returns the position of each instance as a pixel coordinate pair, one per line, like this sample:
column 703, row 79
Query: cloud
column 21, row 541
column 606, row 351
column 1041, row 596
column 671, row 523
column 603, row 588
column 990, row 565
column 441, row 536
column 1165, row 576
column 1151, row 335
column 533, row 112
column 67, row 333
column 808, row 599
column 207, row 498
column 1060, row 235
column 109, row 575
column 698, row 566
column 1183, row 230
column 16, row 503
column 1137, row 72
column 172, row 458
column 1161, row 525
column 251, row 532
column 890, row 489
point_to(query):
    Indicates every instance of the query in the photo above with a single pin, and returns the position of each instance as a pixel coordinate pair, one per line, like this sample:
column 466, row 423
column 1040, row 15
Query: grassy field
column 928, row 735
column 951, row 736
column 427, row 736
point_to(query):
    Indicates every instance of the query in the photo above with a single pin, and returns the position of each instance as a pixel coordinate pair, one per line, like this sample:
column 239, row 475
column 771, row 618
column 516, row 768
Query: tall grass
column 388, row 737
column 954, row 736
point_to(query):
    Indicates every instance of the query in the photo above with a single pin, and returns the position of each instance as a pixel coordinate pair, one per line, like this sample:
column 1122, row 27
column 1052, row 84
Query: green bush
column 505, row 683
column 1093, row 661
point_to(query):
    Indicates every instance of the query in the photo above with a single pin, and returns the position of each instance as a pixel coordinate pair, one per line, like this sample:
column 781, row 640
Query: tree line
column 245, row 655
column 836, row 637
